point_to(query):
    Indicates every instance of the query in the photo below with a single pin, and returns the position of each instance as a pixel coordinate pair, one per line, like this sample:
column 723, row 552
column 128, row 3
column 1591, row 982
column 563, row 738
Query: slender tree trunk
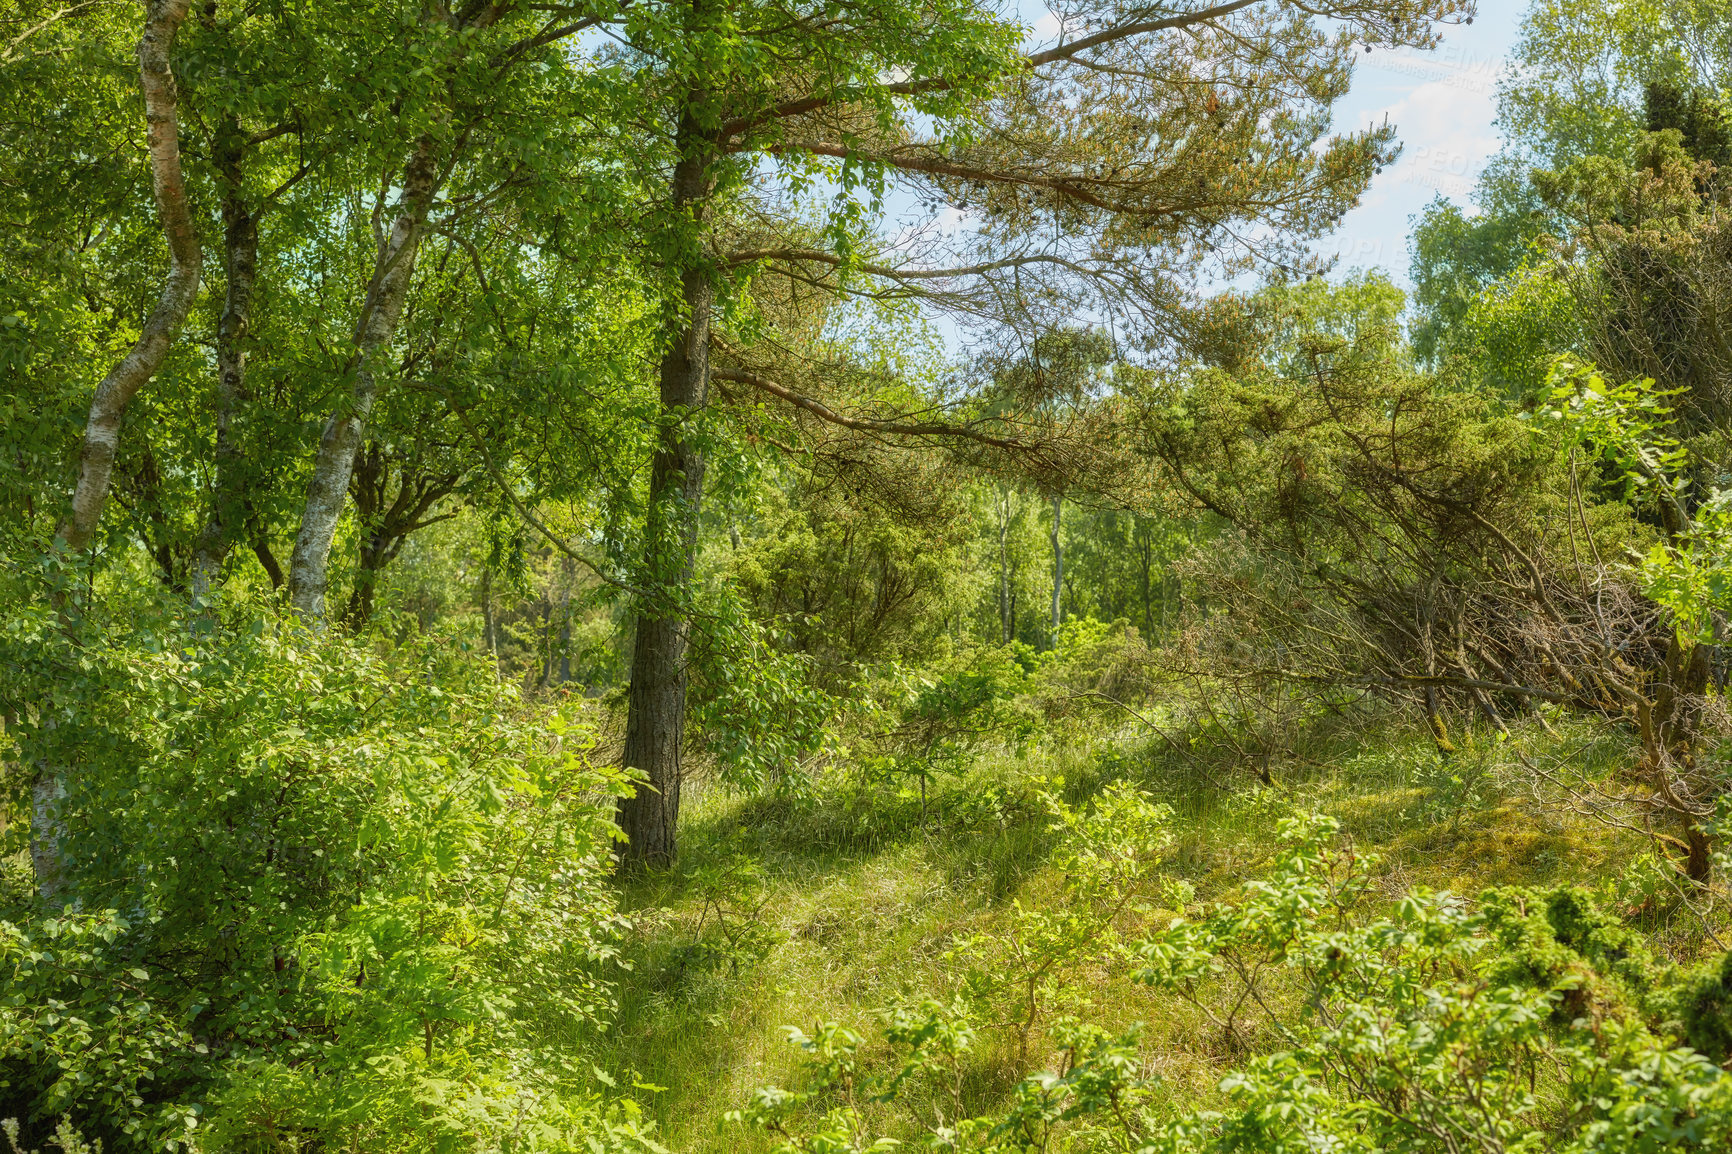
column 162, row 138
column 369, row 485
column 375, row 555
column 565, row 638
column 1057, row 567
column 393, row 269
column 46, row 864
column 267, row 559
column 162, row 21
column 489, row 629
column 1145, row 565
column 226, row 511
column 656, row 709
column 1006, row 612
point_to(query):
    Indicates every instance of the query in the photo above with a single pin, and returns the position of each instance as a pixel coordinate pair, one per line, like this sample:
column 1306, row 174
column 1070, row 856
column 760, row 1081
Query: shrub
column 320, row 895
column 1422, row 1025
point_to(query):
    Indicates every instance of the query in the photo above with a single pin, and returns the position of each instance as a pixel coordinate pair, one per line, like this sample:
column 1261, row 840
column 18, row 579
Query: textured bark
column 162, row 23
column 45, row 859
column 656, row 705
column 102, row 431
column 226, row 513
column 393, row 269
column 392, row 500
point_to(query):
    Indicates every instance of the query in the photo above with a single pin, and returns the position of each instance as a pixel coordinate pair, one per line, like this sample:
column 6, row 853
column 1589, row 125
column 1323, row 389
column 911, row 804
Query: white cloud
column 1044, row 28
column 1443, row 105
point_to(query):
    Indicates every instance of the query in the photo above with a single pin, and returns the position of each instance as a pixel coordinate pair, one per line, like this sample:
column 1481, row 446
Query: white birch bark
column 162, row 22
column 393, row 269
column 163, row 19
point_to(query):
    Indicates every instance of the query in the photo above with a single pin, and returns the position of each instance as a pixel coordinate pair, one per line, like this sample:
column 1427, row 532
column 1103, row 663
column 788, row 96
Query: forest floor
column 792, row 912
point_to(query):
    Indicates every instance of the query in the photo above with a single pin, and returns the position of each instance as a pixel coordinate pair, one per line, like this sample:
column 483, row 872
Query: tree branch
column 866, row 425
column 746, row 256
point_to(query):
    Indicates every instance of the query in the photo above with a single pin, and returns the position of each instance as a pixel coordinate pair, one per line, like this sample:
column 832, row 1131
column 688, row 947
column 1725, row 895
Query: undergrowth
column 851, row 906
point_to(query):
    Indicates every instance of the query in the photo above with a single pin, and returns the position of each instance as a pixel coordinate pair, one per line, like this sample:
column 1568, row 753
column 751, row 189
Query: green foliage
column 82, row 1032
column 1691, row 577
column 347, row 889
column 731, row 927
column 66, row 1138
column 1353, row 489
column 1703, row 1003
column 1454, row 259
column 1689, row 573
column 1512, row 330
column 848, row 579
column 1424, row 1024
column 920, row 723
column 1107, row 856
column 756, row 706
column 1461, row 782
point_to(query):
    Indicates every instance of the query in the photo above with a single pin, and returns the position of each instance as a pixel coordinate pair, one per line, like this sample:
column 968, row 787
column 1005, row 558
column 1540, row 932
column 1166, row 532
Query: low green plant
column 1524, row 1022
column 1460, row 783
column 731, row 928
column 316, row 893
column 1107, row 855
column 756, row 708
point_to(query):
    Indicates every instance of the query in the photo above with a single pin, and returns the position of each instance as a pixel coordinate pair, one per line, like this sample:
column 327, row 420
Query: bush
column 1424, row 1025
column 319, row 895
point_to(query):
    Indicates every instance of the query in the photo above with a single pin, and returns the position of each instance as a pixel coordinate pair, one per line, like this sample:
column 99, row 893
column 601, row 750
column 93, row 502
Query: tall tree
column 1581, row 83
column 1103, row 170
column 473, row 72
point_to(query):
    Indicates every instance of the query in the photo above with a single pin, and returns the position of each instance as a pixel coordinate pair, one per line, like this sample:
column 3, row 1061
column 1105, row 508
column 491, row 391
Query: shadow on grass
column 986, row 830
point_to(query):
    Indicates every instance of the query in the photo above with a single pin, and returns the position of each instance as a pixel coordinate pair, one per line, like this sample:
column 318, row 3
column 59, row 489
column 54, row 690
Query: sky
column 1443, row 104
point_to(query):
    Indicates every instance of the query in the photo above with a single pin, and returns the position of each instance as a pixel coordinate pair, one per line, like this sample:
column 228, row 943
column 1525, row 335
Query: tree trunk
column 1057, row 567
column 162, row 136
column 369, row 485
column 226, row 511
column 1676, row 726
column 368, row 567
column 267, row 559
column 393, row 499
column 565, row 638
column 656, row 709
column 46, row 793
column 1006, row 613
column 393, row 269
column 1145, row 564
column 1699, row 862
column 489, row 629
column 162, row 21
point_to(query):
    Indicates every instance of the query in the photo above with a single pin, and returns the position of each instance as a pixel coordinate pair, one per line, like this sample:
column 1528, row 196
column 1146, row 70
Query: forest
column 821, row 576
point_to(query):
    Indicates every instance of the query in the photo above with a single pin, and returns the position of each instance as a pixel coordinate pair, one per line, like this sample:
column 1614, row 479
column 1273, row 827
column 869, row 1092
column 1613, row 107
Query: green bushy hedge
column 314, row 893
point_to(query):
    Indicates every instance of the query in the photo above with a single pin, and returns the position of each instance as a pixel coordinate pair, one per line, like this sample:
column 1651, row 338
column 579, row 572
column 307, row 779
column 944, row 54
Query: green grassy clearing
column 849, row 900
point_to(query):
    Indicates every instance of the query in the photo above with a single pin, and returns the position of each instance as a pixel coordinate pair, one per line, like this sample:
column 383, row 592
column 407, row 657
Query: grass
column 790, row 912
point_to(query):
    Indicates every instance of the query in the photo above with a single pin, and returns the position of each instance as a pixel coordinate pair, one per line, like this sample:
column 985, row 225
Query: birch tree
column 163, row 19
column 463, row 151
